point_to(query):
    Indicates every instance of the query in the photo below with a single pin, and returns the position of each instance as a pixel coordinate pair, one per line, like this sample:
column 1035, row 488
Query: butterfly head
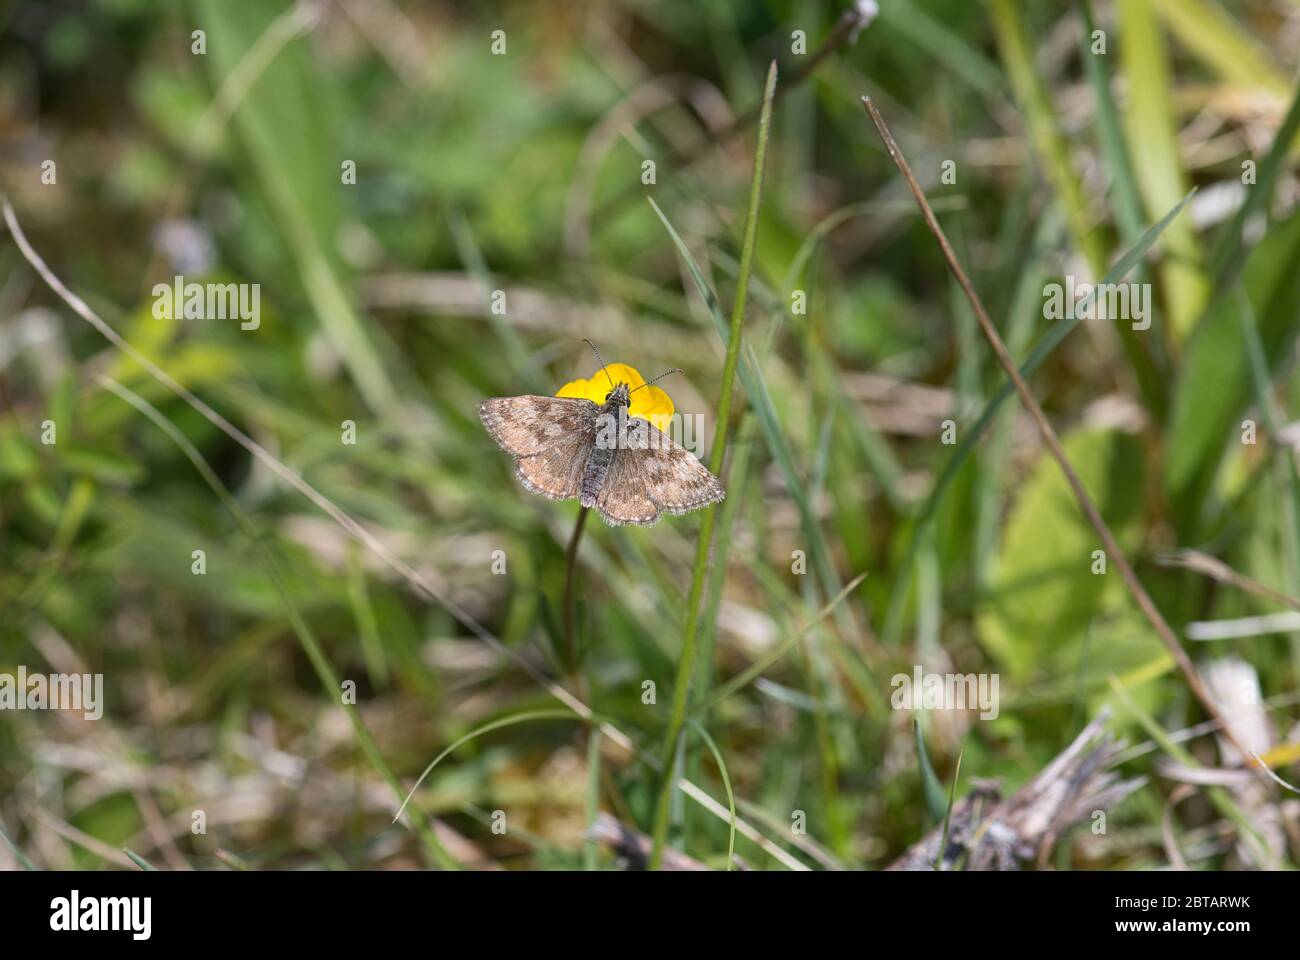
column 618, row 396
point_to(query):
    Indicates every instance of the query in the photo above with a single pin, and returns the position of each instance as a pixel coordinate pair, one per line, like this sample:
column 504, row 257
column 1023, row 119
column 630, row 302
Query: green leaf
column 1046, row 344
column 1214, row 385
column 1151, row 122
column 1043, row 589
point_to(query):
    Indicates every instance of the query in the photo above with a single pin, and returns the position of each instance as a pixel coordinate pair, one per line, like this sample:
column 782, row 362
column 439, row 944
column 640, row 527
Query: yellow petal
column 650, row 403
column 574, row 388
column 654, row 405
column 620, row 373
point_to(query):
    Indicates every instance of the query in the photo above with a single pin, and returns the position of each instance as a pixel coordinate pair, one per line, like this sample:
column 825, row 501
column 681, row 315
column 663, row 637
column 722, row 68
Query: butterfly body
column 601, row 457
column 623, row 466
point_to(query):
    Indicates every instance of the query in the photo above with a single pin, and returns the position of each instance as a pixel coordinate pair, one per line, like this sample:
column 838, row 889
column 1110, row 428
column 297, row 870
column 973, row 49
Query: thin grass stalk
column 325, row 671
column 570, row 570
column 421, row 584
column 1161, row 175
column 1216, row 569
column 1048, row 142
column 1222, row 799
column 947, row 817
column 686, row 663
column 1048, row 433
column 1147, row 355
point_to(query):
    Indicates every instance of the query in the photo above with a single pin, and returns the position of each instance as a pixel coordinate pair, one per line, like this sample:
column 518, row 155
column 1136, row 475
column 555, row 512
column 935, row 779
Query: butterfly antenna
column 600, row 361
column 658, row 378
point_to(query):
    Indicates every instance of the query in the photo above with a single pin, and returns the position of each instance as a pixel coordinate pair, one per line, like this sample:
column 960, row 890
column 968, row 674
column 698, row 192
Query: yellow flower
column 649, row 403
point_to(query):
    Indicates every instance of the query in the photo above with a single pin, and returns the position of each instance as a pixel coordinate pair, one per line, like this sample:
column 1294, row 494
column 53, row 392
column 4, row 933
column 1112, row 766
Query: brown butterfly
column 624, row 466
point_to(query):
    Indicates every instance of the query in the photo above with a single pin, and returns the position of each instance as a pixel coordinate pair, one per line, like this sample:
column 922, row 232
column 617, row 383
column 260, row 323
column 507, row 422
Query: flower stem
column 686, row 664
column 570, row 566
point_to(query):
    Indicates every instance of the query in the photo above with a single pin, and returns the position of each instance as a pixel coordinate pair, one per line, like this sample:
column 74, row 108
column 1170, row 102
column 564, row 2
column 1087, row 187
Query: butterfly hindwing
column 677, row 481
column 648, row 478
column 623, row 498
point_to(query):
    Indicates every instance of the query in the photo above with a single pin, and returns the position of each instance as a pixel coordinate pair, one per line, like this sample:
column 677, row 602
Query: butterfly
column 624, row 466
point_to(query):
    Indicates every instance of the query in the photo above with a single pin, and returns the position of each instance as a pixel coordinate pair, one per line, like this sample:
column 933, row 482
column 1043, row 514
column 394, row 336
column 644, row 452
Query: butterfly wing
column 550, row 437
column 524, row 426
column 662, row 475
column 623, row 497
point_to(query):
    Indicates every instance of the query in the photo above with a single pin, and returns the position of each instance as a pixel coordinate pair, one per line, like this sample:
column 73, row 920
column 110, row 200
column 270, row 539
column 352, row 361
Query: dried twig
column 1090, row 511
column 989, row 833
column 1216, row 569
column 633, row 847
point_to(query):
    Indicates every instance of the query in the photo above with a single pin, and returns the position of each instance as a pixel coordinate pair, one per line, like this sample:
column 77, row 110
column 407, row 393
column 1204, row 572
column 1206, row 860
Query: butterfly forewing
column 557, row 471
column 550, row 437
column 525, row 426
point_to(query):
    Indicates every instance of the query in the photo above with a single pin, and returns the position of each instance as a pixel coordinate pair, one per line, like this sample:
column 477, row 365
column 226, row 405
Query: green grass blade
column 760, row 666
column 1151, row 121
column 726, row 785
column 1126, row 196
column 1288, row 475
column 966, row 445
column 1222, row 45
column 947, row 817
column 949, row 50
column 760, row 399
column 279, row 126
column 931, row 789
column 139, row 861
column 363, row 612
column 526, row 716
column 1228, row 253
column 1141, row 349
column 18, row 854
column 311, row 646
column 1048, row 143
column 686, row 663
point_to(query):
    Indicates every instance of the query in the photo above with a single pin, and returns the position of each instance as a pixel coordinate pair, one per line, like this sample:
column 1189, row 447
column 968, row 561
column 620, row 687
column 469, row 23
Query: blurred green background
column 1045, row 156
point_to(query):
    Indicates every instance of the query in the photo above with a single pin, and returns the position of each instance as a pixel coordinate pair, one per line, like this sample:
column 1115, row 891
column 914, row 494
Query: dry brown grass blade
column 1090, row 511
column 1216, row 569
